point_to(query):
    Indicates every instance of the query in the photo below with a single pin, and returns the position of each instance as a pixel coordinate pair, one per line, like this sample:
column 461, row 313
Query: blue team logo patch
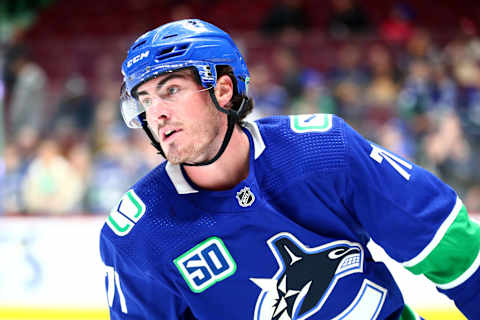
column 206, row 264
column 306, row 277
column 317, row 122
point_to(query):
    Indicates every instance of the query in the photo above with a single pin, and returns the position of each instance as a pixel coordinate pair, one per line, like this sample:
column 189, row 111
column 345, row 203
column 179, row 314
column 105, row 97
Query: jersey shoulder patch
column 128, row 211
column 316, row 122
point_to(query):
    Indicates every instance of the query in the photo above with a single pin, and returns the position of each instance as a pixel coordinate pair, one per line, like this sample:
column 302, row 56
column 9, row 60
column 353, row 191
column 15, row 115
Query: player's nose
column 158, row 112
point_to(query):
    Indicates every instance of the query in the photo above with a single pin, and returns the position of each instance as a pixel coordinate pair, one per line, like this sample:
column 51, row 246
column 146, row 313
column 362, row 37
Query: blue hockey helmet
column 189, row 43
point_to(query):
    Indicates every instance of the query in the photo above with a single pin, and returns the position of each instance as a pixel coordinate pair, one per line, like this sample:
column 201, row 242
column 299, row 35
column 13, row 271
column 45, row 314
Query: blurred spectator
column 348, row 67
column 2, row 100
column 448, row 152
column 116, row 165
column 51, row 185
column 144, row 150
column 347, row 19
column 288, row 69
column 12, row 172
column 106, row 118
column 26, row 142
column 349, row 98
column 76, row 106
column 315, row 97
column 393, row 136
column 443, row 94
column 398, row 27
column 472, row 199
column 456, row 52
column 466, row 43
column 415, row 92
column 414, row 98
column 80, row 158
column 467, row 74
column 269, row 97
column 380, row 100
column 27, row 103
column 382, row 90
column 284, row 15
column 347, row 78
column 419, row 47
column 428, row 88
column 381, row 63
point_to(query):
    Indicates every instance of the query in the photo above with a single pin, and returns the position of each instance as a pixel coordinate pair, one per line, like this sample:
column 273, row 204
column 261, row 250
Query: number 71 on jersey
column 378, row 154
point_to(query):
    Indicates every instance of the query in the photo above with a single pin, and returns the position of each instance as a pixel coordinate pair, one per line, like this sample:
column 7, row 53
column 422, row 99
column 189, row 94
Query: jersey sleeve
column 419, row 220
column 131, row 294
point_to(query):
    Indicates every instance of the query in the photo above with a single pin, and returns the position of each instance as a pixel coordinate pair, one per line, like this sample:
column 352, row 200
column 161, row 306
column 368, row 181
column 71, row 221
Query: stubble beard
column 207, row 140
column 197, row 151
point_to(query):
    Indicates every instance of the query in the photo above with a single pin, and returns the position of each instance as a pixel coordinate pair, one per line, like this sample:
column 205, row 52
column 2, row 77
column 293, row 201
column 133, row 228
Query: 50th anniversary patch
column 206, row 264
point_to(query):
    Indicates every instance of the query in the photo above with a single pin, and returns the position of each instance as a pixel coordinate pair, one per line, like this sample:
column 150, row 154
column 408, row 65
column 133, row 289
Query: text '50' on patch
column 206, row 264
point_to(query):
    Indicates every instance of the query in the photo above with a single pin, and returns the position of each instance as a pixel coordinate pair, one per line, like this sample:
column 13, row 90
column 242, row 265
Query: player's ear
column 224, row 91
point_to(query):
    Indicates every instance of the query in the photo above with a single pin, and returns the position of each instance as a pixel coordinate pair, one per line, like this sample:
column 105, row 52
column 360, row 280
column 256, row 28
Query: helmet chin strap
column 232, row 116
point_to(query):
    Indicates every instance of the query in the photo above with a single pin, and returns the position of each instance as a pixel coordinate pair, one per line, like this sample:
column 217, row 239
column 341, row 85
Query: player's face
column 181, row 115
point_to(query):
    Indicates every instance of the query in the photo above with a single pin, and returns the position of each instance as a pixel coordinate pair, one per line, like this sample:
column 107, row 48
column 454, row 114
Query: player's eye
column 172, row 90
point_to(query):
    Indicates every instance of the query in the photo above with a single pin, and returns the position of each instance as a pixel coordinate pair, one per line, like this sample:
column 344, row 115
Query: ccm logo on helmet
column 138, row 58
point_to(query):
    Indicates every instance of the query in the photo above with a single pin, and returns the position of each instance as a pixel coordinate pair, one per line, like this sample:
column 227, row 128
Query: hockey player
column 268, row 219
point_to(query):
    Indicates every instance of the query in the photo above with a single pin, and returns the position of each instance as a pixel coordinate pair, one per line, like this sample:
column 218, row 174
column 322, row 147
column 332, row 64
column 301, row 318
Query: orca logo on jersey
column 305, row 278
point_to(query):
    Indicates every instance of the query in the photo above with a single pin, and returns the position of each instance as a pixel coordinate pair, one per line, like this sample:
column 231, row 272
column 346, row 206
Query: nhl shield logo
column 245, row 197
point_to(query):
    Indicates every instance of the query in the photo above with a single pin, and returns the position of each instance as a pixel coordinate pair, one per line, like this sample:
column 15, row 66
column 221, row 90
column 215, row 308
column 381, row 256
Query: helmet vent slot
column 141, row 43
column 170, row 36
column 172, row 51
column 166, row 50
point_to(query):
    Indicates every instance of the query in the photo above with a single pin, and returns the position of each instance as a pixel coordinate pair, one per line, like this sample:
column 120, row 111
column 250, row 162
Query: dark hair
column 236, row 99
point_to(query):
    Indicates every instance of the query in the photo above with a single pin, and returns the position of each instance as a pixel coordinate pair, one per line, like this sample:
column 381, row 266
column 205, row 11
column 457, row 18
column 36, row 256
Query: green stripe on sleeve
column 456, row 256
column 408, row 314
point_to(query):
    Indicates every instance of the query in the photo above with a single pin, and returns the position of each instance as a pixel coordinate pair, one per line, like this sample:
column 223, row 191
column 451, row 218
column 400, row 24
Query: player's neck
column 230, row 169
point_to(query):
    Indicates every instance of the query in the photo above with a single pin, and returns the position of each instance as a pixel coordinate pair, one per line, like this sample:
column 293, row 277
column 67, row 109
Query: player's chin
column 177, row 157
column 174, row 159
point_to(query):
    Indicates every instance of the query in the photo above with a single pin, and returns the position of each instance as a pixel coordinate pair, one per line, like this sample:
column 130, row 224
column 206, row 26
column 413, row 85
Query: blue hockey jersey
column 289, row 242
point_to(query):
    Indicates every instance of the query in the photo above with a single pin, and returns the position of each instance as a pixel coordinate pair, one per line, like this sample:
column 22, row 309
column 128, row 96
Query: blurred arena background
column 405, row 74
